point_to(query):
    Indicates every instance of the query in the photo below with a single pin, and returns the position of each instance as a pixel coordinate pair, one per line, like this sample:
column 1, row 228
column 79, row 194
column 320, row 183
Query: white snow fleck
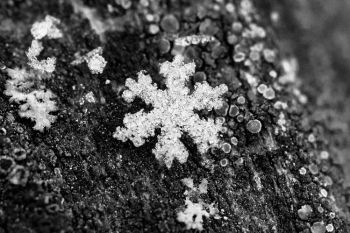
column 45, row 65
column 90, row 97
column 35, row 104
column 48, row 28
column 94, row 60
column 194, row 212
column 96, row 64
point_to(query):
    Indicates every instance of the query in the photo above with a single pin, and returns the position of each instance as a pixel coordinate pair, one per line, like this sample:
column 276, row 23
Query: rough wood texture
column 285, row 177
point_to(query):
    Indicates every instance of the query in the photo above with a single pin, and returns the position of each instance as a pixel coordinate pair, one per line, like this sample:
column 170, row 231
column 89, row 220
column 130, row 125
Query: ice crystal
column 173, row 112
column 94, row 60
column 38, row 105
column 47, row 28
column 47, row 64
column 194, row 212
column 193, row 215
column 35, row 104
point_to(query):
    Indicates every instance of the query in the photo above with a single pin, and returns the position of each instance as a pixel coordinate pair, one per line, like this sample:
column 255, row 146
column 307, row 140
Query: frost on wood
column 194, row 212
column 94, row 60
column 35, row 104
column 173, row 112
column 47, row 28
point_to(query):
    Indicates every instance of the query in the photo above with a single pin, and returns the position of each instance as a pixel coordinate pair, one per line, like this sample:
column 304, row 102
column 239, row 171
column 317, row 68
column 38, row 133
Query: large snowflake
column 173, row 112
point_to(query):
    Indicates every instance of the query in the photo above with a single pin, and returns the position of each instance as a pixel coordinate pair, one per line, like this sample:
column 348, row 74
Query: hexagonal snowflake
column 173, row 112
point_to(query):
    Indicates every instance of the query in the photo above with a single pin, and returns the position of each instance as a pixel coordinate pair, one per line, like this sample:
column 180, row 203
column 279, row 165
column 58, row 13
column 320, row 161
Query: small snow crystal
column 193, row 215
column 38, row 105
column 94, row 60
column 47, row 64
column 35, row 104
column 47, row 28
column 96, row 64
column 173, row 112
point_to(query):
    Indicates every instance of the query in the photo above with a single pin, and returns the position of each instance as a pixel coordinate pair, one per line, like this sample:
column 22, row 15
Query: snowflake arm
column 177, row 73
column 203, row 132
column 169, row 147
column 206, row 97
column 177, row 69
column 193, row 214
column 138, row 126
column 143, row 88
column 17, row 84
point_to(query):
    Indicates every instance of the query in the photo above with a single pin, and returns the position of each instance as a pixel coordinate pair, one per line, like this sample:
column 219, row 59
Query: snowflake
column 173, row 112
column 38, row 105
column 94, row 60
column 47, row 64
column 193, row 213
column 46, row 28
column 35, row 104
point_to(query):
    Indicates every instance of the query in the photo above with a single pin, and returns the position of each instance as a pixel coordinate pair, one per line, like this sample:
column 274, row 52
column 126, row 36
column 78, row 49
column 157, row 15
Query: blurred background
column 317, row 32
